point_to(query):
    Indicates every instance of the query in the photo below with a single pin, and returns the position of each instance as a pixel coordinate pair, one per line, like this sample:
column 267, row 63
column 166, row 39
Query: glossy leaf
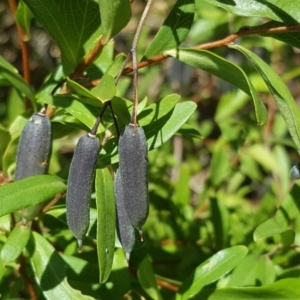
column 211, row 270
column 284, row 289
column 174, row 30
column 29, row 191
column 23, row 17
column 73, row 25
column 288, row 210
column 224, row 69
column 106, row 89
column 158, row 109
column 11, row 74
column 161, row 130
column 106, row 222
column 83, row 112
column 16, row 242
column 50, row 271
column 115, row 15
column 147, row 280
column 284, row 100
column 275, row 10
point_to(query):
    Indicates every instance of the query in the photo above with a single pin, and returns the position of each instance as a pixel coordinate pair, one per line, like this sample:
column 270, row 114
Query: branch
column 28, row 281
column 219, row 43
column 24, row 49
column 89, row 59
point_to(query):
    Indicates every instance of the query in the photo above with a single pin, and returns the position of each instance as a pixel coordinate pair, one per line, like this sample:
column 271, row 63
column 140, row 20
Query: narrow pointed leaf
column 15, row 243
column 147, row 280
column 225, row 70
column 285, row 289
column 161, row 130
column 29, row 191
column 23, row 17
column 115, row 14
column 174, row 30
column 50, row 271
column 284, row 100
column 211, row 270
column 11, row 74
column 106, row 225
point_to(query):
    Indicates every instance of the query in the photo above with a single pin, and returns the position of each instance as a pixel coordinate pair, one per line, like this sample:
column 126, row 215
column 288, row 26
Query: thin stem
column 128, row 57
column 114, row 118
column 29, row 283
column 24, row 49
column 97, row 123
column 134, row 63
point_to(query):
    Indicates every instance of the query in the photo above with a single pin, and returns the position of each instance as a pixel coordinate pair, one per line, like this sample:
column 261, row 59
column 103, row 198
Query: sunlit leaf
column 29, row 191
column 224, row 69
column 106, row 222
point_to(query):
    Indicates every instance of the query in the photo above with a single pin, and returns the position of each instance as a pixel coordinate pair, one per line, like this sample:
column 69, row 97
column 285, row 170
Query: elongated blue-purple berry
column 80, row 182
column 33, row 154
column 295, row 172
column 133, row 168
column 125, row 230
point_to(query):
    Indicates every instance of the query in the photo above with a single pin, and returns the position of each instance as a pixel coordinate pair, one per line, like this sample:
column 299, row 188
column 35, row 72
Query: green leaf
column 224, row 69
column 11, row 74
column 2, row 268
column 83, row 112
column 50, row 271
column 106, row 88
column 117, row 64
column 174, row 30
column 285, row 102
column 284, row 289
column 157, row 110
column 275, row 10
column 147, row 280
column 115, row 14
column 9, row 156
column 16, row 242
column 260, row 269
column 81, row 270
column 73, row 24
column 211, row 270
column 288, row 210
column 23, row 17
column 4, row 142
column 106, row 225
column 161, row 130
column 29, row 191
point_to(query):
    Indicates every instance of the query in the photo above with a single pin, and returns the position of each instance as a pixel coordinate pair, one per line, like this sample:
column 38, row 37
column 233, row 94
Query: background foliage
column 222, row 124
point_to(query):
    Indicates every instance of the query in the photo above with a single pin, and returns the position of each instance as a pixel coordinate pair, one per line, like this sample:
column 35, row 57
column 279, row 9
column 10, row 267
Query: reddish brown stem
column 28, row 281
column 24, row 49
column 219, row 43
column 89, row 59
column 166, row 285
